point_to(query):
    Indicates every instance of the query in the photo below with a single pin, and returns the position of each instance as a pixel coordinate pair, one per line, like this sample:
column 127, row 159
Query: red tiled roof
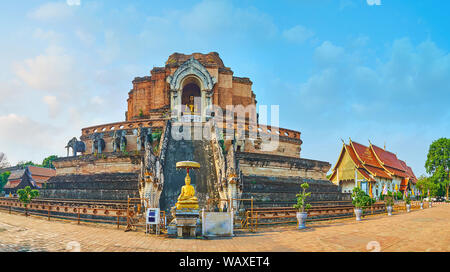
column 353, row 156
column 411, row 175
column 366, row 174
column 378, row 162
column 368, row 160
column 379, row 172
column 387, row 158
column 12, row 183
column 40, row 171
column 365, row 154
column 17, row 174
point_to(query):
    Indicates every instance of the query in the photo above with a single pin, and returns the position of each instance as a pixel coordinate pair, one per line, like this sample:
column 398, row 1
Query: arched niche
column 190, row 75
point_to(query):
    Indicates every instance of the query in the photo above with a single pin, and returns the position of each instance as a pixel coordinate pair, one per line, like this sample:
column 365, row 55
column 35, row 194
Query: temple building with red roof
column 371, row 168
column 32, row 176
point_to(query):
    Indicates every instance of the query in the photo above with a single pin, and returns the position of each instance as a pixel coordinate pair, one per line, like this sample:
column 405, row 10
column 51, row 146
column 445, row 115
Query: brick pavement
column 420, row 230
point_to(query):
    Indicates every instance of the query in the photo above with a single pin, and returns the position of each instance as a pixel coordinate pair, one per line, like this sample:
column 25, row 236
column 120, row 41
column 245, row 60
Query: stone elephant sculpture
column 77, row 146
column 98, row 144
column 119, row 140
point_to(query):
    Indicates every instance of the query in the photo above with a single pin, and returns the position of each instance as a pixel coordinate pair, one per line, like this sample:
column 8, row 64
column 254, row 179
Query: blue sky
column 338, row 69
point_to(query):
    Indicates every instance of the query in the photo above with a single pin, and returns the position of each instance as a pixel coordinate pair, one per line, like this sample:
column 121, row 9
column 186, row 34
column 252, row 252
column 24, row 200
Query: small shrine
column 187, row 209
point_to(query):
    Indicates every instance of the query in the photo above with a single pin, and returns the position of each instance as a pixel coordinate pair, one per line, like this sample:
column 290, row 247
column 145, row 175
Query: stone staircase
column 203, row 180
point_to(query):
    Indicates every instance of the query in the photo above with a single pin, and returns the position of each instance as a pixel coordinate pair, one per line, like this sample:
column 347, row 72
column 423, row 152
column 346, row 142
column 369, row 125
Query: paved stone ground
column 420, row 230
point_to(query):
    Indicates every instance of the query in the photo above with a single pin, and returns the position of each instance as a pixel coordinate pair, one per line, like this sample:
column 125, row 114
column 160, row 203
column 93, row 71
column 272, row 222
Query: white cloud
column 85, row 37
column 52, row 71
column 53, row 104
column 374, row 2
column 328, row 53
column 73, row 2
column 413, row 79
column 206, row 23
column 47, row 35
column 26, row 139
column 298, row 34
column 51, row 11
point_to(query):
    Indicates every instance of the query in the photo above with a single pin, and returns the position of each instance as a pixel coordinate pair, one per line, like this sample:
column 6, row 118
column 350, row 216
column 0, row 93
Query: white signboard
column 217, row 224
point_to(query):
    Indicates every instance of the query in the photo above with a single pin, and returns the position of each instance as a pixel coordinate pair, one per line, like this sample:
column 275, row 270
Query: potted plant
column 422, row 185
column 301, row 206
column 360, row 200
column 408, row 203
column 389, row 201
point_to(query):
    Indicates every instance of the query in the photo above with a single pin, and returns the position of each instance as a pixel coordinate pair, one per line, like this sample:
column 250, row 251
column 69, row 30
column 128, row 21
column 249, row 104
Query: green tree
column 4, row 179
column 427, row 185
column 48, row 162
column 23, row 164
column 422, row 185
column 438, row 164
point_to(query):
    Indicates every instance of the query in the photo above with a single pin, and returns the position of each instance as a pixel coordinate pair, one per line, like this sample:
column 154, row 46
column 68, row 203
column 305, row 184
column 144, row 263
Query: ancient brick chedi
column 192, row 109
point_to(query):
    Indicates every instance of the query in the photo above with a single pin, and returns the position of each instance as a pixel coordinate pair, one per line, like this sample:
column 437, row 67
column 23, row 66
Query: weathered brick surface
column 152, row 92
column 113, row 186
column 281, row 191
column 102, row 163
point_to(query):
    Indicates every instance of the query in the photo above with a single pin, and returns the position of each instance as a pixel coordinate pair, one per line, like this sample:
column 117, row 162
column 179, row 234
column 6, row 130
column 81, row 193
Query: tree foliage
column 389, row 199
column 48, row 162
column 438, row 164
column 23, row 164
column 4, row 179
column 27, row 195
column 425, row 185
column 360, row 199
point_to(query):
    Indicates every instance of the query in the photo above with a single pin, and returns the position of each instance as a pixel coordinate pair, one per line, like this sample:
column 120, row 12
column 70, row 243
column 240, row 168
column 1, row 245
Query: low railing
column 90, row 212
column 111, row 212
column 286, row 215
column 97, row 212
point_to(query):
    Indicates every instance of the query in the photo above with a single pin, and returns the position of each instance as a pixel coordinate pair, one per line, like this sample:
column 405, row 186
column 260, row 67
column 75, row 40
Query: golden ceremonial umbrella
column 187, row 165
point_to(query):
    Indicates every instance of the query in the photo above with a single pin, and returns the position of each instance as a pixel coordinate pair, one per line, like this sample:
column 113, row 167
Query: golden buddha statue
column 187, row 198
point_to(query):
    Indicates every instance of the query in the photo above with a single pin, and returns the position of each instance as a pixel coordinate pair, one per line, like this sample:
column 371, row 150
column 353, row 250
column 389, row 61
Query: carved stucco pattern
column 151, row 188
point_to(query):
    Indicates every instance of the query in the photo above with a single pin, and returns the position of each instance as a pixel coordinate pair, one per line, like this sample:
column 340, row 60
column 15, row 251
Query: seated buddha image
column 187, row 198
column 191, row 108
